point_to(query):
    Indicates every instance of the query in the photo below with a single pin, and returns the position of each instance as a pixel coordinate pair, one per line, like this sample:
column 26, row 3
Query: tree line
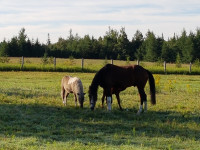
column 113, row 45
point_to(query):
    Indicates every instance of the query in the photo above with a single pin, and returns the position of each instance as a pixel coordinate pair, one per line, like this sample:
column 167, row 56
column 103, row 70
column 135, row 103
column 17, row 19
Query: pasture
column 32, row 115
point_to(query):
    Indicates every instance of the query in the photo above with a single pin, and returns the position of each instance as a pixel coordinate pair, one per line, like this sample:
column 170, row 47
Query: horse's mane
column 79, row 86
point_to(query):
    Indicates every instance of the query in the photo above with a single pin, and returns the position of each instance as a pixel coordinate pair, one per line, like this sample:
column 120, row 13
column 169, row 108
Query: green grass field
column 32, row 115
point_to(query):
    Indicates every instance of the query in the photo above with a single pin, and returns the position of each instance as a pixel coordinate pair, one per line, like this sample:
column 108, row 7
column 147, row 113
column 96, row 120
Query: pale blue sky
column 93, row 17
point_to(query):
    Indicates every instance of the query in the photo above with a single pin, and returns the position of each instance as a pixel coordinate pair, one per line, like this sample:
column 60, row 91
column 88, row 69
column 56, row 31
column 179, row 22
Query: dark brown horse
column 114, row 79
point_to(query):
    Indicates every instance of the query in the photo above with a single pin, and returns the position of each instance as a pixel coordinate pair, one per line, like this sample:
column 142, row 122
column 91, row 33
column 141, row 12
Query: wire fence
column 90, row 65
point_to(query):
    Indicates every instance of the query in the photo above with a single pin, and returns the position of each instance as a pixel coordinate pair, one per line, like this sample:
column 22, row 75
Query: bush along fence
column 82, row 65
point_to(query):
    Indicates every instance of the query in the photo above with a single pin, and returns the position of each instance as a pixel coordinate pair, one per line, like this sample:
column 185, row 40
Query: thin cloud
column 93, row 17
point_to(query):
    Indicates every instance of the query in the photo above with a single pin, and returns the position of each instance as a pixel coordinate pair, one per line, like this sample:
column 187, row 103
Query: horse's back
column 65, row 80
column 69, row 79
column 71, row 84
column 123, row 75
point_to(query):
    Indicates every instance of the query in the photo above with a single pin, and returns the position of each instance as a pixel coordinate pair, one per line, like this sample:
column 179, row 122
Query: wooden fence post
column 164, row 66
column 82, row 64
column 112, row 61
column 22, row 65
column 190, row 68
column 138, row 62
column 54, row 62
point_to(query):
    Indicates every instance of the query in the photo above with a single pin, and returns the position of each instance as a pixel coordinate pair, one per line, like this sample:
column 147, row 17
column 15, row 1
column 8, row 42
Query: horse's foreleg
column 143, row 98
column 118, row 100
column 75, row 99
column 102, row 99
column 65, row 98
column 63, row 95
column 109, row 98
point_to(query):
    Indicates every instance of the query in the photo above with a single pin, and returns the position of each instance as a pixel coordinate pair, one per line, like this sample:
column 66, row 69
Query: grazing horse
column 114, row 79
column 72, row 85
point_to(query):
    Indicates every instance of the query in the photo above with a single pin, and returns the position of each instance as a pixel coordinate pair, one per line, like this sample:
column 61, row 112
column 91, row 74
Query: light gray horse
column 72, row 85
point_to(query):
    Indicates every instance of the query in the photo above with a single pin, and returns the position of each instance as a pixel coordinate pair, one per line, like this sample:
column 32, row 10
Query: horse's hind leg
column 118, row 100
column 143, row 98
column 75, row 99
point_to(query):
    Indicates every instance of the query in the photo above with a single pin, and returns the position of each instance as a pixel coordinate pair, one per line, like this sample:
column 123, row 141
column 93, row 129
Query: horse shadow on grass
column 53, row 123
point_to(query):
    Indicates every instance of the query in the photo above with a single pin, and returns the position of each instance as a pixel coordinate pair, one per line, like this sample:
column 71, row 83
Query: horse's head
column 93, row 98
column 81, row 99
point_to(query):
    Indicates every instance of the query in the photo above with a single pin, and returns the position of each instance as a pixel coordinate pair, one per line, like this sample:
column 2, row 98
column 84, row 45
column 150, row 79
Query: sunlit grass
column 32, row 115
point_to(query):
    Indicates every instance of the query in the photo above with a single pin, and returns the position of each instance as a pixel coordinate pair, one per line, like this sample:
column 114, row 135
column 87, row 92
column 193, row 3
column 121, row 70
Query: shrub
column 127, row 59
column 4, row 59
column 178, row 61
column 44, row 59
column 105, row 61
column 197, row 63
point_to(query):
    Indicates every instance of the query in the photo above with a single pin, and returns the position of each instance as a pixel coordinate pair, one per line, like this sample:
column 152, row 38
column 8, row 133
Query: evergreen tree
column 136, row 43
column 165, row 55
column 196, row 53
column 4, row 49
column 150, row 47
column 22, row 42
column 173, row 49
column 123, row 44
column 110, row 47
column 13, row 47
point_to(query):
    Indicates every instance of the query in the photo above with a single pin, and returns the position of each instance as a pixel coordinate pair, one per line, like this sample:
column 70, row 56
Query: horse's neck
column 94, row 87
column 79, row 87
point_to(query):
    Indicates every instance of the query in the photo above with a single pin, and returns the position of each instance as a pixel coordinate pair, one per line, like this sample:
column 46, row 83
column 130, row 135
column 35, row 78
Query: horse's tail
column 152, row 88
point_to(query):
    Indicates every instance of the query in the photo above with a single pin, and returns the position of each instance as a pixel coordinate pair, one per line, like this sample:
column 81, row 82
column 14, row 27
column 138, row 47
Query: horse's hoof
column 139, row 112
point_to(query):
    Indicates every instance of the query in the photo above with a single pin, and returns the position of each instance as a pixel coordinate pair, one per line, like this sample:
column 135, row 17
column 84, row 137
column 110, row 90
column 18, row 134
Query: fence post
column 138, row 62
column 22, row 65
column 82, row 64
column 54, row 62
column 164, row 66
column 190, row 68
column 112, row 61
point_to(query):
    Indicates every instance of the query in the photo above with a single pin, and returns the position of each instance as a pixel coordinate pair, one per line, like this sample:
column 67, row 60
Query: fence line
column 82, row 64
column 190, row 68
column 54, row 62
column 165, row 66
column 22, row 65
column 111, row 61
